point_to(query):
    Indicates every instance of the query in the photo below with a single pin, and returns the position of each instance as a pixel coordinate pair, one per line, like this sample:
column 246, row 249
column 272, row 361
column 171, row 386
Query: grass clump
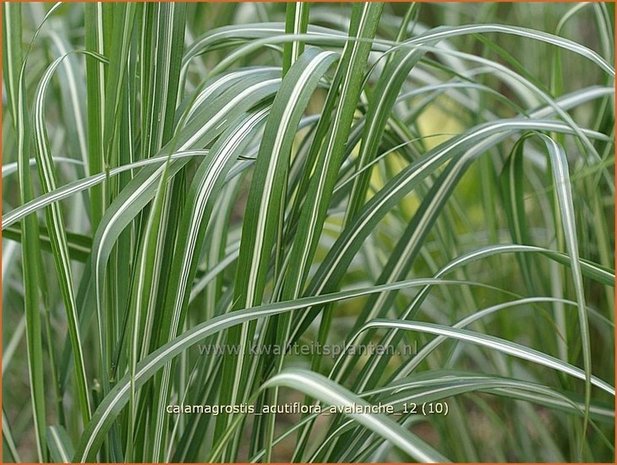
column 214, row 209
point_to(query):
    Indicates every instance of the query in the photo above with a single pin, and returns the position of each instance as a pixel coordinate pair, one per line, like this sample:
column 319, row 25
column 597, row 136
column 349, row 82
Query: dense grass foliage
column 415, row 199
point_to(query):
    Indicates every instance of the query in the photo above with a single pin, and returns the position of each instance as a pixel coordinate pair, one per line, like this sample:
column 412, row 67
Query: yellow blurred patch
column 436, row 124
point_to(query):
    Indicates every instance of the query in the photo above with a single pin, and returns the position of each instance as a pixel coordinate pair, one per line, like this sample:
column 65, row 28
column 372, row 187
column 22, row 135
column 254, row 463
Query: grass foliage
column 181, row 176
